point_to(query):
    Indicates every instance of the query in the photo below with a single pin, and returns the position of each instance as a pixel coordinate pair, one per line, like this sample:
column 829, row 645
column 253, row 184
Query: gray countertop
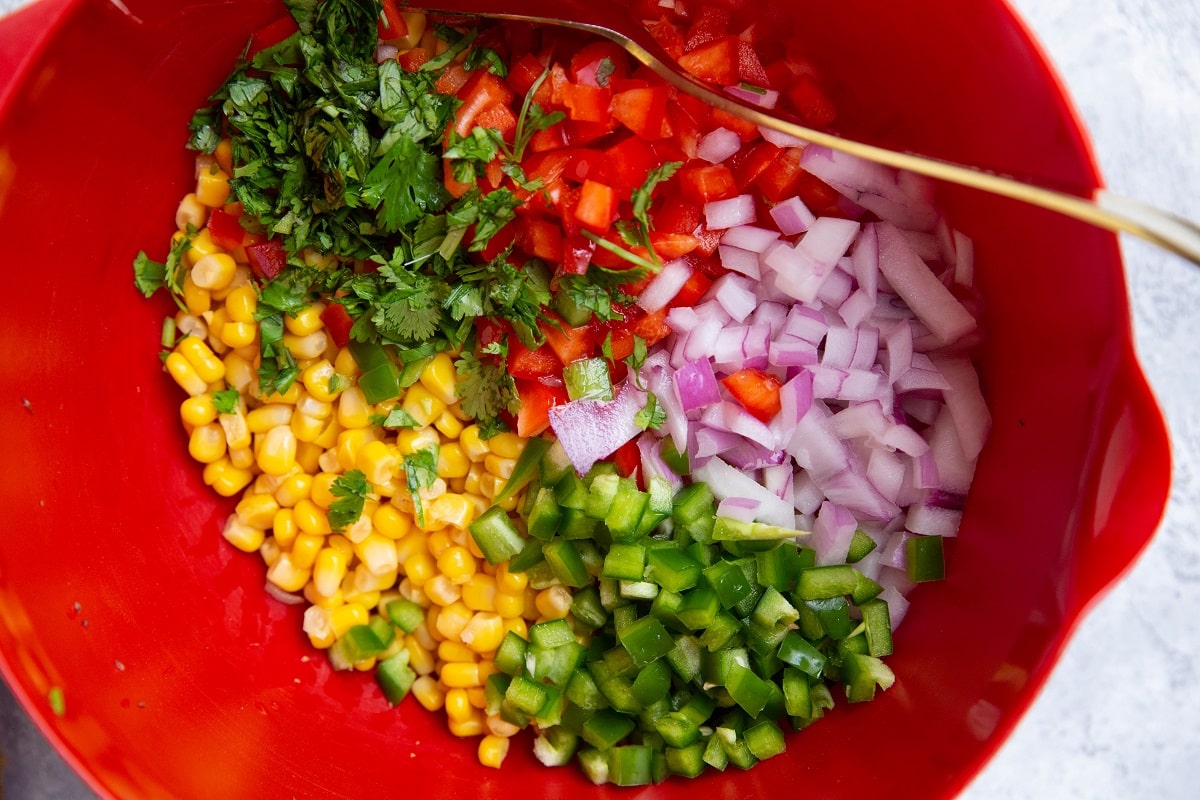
column 1120, row 715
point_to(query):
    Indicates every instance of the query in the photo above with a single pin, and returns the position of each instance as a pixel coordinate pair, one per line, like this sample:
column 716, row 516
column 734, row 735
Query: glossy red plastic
column 182, row 679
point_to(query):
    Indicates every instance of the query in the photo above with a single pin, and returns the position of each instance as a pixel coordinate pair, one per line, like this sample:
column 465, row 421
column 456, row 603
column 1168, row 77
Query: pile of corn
column 283, row 452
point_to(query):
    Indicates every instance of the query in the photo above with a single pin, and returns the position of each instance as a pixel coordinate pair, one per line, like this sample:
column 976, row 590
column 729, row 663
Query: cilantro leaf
column 351, row 488
column 148, row 275
column 405, row 184
column 488, row 58
column 397, row 417
column 420, row 472
column 604, row 71
column 651, row 415
column 226, row 401
column 485, row 389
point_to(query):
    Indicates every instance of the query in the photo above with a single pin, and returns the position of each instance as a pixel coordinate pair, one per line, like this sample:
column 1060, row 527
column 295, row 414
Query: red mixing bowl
column 183, row 679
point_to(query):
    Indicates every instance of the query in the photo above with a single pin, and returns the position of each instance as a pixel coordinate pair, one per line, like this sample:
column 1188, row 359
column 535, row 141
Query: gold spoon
column 1104, row 209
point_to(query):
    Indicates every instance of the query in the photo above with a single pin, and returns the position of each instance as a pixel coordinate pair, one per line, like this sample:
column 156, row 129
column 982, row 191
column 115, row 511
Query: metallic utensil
column 1104, row 209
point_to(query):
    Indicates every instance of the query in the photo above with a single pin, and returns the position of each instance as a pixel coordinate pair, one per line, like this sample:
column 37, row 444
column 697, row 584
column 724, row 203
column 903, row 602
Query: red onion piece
column 763, row 98
column 718, row 145
column 913, row 281
column 736, row 295
column 966, row 404
column 696, row 386
column 750, row 237
column 739, row 260
column 792, row 216
column 591, row 430
column 726, row 481
column 832, row 533
column 665, row 285
column 722, row 214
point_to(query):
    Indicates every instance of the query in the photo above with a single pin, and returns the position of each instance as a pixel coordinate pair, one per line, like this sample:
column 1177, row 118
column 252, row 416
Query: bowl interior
column 182, row 679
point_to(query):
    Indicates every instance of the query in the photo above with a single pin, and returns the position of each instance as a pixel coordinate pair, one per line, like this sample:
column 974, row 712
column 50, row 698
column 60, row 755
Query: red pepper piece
column 756, row 391
column 225, row 230
column 338, row 323
column 267, row 259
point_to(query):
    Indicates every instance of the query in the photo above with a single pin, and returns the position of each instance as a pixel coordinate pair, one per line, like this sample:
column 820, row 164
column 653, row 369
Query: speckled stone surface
column 1120, row 715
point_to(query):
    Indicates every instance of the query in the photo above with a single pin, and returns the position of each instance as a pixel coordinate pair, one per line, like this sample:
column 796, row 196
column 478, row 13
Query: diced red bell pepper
column 670, row 246
column 532, row 364
column 267, row 259
column 550, row 138
column 225, row 230
column 643, row 111
column 756, row 161
column 756, row 391
column 569, row 344
column 577, row 253
column 716, row 61
column 811, row 104
column 678, row 214
column 482, row 91
column 490, row 331
column 750, row 68
column 707, row 183
column 747, row 131
column 599, row 63
column 337, row 323
column 537, row 398
column 523, row 73
column 705, row 262
column 781, row 180
column 271, row 34
column 710, row 24
column 627, row 458
column 586, row 103
column 580, row 133
column 499, row 242
column 391, row 25
column 668, row 36
column 499, row 118
column 541, row 238
column 691, row 291
column 621, row 340
column 627, row 163
column 452, row 79
column 455, row 187
column 411, row 60
column 653, row 328
column 597, row 206
column 818, row 195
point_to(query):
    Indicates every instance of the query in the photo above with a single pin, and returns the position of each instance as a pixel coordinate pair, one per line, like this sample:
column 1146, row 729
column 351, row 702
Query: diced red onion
column 729, row 353
column 919, row 287
column 897, row 605
column 386, row 52
column 806, row 495
column 806, row 324
column 791, row 353
column 832, row 533
column 797, row 274
column 899, row 350
column 856, row 309
column 665, row 285
column 964, row 260
column 725, row 481
column 779, row 479
column 696, row 385
column 750, row 237
column 739, row 508
column 866, row 347
column 836, row 287
column 967, row 406
column 736, row 295
column 287, row 598
column 828, row 239
column 792, row 216
column 718, row 145
column 886, row 470
column 932, row 521
column 764, row 98
column 722, row 214
column 781, row 139
column 590, row 430
column 712, row 441
column 653, row 466
column 739, row 260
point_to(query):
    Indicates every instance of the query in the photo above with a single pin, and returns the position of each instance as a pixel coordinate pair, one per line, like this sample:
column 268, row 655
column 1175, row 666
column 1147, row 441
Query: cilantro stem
column 451, row 52
column 621, row 252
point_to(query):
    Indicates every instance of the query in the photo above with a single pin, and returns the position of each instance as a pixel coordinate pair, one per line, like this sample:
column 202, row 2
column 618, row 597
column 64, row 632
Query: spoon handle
column 1104, row 209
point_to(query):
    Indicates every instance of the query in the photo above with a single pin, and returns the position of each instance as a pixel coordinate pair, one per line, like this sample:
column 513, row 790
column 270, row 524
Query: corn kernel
column 290, row 396
column 452, row 461
column 438, row 542
column 284, row 528
column 246, row 538
column 226, row 479
column 306, row 321
column 452, row 619
column 306, row 347
column 293, row 489
column 452, row 509
column 479, row 592
column 509, row 605
column 420, row 658
column 307, row 455
column 198, row 410
column 377, row 460
column 553, row 602
column 311, row 406
column 377, row 553
column 288, row 575
column 475, row 447
column 484, row 632
column 490, row 484
column 347, row 616
column 388, row 520
column 272, row 415
column 315, row 378
column 321, row 489
column 241, row 457
column 306, row 428
column 468, row 728
column 329, row 570
column 350, row 443
column 500, row 467
column 517, row 626
column 498, row 726
column 422, row 404
column 207, row 443
column 493, row 750
column 460, row 675
column 240, row 374
column 212, row 187
column 237, row 433
column 238, row 334
column 319, row 627
column 214, row 271
column 455, row 651
column 428, row 693
column 201, row 357
column 456, row 563
column 440, row 378
column 457, row 705
column 353, row 411
column 241, row 303
column 258, row 510
column 410, row 440
column 305, row 549
column 277, row 452
column 185, row 375
column 441, row 590
column 448, row 425
column 311, row 519
column 191, row 212
column 506, row 444
column 419, row 568
column 510, row 581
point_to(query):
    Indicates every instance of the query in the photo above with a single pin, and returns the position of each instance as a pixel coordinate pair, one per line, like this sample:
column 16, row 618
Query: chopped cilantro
column 489, row 59
column 651, row 415
column 605, row 70
column 486, row 390
column 420, row 472
column 351, row 489
column 397, row 417
column 226, row 401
